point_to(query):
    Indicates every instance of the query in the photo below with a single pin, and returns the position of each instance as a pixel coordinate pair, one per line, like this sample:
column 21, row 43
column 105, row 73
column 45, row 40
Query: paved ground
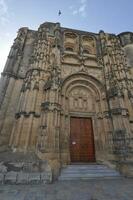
column 120, row 189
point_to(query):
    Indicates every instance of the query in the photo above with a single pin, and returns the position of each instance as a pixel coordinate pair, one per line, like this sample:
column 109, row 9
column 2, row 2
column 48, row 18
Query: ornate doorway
column 81, row 140
column 81, row 103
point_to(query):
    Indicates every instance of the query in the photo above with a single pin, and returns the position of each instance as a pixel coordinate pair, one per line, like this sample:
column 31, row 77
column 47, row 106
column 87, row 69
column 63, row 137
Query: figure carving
column 42, row 139
column 57, row 36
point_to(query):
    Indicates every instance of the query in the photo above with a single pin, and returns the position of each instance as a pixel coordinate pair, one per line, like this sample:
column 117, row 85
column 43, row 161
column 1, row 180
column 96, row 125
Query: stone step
column 85, row 164
column 90, row 174
column 79, row 172
column 82, row 169
column 87, row 178
column 87, row 167
column 90, row 171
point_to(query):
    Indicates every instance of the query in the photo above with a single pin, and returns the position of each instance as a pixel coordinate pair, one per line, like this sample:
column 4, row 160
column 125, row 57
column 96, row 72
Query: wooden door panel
column 81, row 140
column 74, row 138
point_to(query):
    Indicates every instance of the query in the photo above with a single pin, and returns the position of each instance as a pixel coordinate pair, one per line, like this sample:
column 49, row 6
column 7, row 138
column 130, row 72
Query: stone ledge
column 25, row 178
column 18, row 168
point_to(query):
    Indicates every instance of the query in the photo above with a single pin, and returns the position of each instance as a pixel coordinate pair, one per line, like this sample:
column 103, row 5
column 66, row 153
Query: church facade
column 67, row 96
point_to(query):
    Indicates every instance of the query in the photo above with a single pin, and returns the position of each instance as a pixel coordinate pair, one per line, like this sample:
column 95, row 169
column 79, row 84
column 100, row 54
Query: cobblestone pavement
column 119, row 189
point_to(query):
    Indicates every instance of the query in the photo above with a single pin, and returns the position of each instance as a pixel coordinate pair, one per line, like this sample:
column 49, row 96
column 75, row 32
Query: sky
column 113, row 16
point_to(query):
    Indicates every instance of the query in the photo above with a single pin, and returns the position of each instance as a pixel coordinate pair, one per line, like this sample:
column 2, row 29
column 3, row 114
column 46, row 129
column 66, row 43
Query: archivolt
column 82, row 79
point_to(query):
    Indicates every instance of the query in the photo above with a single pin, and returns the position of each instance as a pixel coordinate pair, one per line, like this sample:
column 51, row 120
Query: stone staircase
column 86, row 171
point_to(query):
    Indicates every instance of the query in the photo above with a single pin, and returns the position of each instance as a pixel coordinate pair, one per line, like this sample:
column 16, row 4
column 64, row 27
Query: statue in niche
column 57, row 37
column 55, row 58
column 55, row 76
column 55, row 70
column 42, row 140
column 103, row 38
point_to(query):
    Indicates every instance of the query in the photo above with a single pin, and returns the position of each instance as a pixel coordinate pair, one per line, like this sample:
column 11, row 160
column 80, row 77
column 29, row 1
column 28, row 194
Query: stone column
column 26, row 126
column 48, row 138
column 117, row 84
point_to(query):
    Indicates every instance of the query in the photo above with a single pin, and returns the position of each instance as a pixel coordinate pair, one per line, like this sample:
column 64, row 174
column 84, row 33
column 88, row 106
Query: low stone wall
column 25, row 178
column 24, row 170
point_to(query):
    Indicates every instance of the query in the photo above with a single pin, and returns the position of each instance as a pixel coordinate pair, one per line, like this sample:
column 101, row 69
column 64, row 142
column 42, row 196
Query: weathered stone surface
column 2, row 178
column 34, row 178
column 11, row 177
column 23, row 178
column 46, row 177
column 118, row 189
column 56, row 73
column 126, row 168
column 3, row 168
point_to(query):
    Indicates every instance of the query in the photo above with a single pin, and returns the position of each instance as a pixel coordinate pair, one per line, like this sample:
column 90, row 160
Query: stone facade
column 55, row 73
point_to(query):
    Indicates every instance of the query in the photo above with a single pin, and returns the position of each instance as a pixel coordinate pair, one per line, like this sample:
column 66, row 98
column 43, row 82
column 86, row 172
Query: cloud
column 6, row 39
column 6, row 36
column 4, row 20
column 75, row 12
column 4, row 17
column 80, row 9
column 3, row 7
column 83, row 1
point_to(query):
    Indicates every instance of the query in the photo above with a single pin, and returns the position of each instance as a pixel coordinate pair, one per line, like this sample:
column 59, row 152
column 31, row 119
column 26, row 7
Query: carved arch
column 70, row 41
column 88, row 44
column 83, row 79
column 70, row 35
column 81, row 96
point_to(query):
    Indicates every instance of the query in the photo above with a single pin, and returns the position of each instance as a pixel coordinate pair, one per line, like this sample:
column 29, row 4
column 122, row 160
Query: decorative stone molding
column 100, row 115
column 12, row 75
column 122, row 141
column 48, row 106
column 48, row 84
column 119, row 111
column 112, row 92
column 25, row 114
column 106, row 114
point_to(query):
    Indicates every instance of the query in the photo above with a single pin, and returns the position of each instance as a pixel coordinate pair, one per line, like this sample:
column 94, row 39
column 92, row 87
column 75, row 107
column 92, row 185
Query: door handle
column 73, row 142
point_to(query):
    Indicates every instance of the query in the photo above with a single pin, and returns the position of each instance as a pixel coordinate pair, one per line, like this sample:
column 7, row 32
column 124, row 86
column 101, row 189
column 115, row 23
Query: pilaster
column 118, row 86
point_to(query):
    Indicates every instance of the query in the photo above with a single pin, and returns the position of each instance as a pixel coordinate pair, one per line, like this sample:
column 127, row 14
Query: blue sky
column 113, row 16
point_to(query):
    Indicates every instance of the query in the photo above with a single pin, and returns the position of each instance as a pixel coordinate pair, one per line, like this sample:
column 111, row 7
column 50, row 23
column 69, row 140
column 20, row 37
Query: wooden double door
column 81, row 140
